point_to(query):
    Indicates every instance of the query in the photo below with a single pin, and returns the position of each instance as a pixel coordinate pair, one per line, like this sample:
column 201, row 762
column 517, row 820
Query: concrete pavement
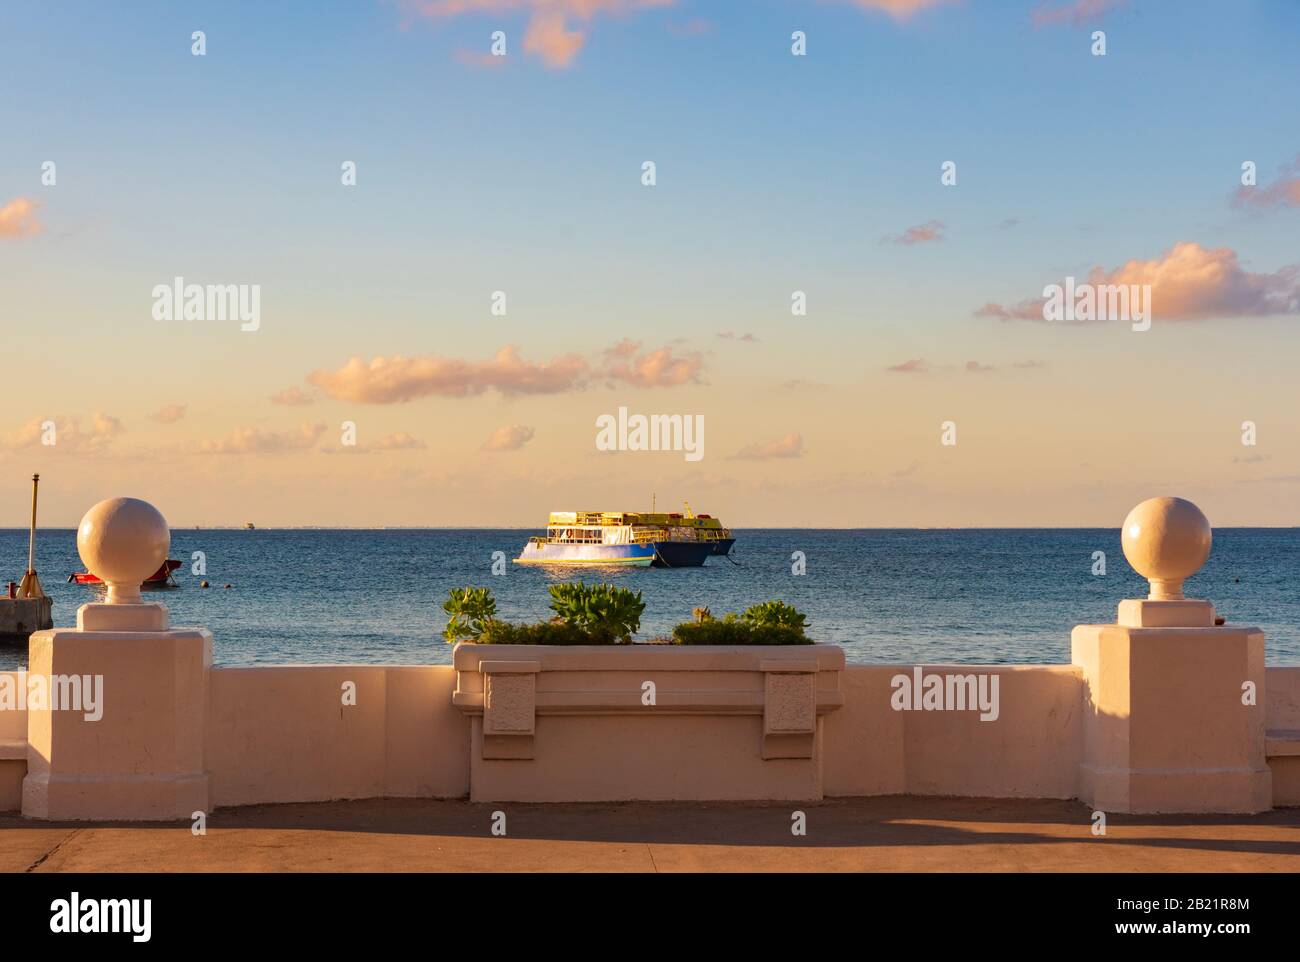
column 879, row 834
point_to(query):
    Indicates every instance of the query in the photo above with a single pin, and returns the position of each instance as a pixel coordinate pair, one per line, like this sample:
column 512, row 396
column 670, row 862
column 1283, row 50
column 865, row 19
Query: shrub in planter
column 599, row 607
column 470, row 612
column 547, row 633
column 771, row 623
column 776, row 614
column 586, row 615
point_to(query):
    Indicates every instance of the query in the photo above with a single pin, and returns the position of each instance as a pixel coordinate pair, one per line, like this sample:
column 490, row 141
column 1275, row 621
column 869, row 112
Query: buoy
column 203, row 584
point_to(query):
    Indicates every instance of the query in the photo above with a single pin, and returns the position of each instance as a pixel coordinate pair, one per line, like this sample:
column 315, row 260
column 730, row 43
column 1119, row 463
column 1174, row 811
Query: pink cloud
column 898, row 9
column 510, row 438
column 790, row 446
column 257, row 441
column 169, row 413
column 65, row 434
column 975, row 367
column 661, row 368
column 400, row 441
column 397, row 379
column 292, row 397
column 916, row 365
column 477, row 58
column 556, row 30
column 549, row 38
column 695, row 27
column 1283, row 192
column 1076, row 13
column 920, row 234
column 18, row 218
column 1188, row 282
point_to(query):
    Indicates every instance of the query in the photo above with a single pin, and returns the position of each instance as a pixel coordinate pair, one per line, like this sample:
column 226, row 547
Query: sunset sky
column 775, row 174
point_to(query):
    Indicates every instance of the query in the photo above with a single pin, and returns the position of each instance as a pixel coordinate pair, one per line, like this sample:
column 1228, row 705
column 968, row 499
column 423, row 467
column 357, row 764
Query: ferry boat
column 629, row 538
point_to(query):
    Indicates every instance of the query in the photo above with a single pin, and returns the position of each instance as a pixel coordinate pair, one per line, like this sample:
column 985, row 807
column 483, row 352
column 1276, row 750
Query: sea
column 295, row 596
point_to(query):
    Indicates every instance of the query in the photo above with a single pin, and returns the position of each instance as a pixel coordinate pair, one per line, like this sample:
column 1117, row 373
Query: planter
column 653, row 722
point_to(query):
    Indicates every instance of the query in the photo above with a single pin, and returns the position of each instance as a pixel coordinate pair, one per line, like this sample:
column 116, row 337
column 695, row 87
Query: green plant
column 599, row 606
column 547, row 633
column 776, row 614
column 470, row 611
column 770, row 623
column 735, row 631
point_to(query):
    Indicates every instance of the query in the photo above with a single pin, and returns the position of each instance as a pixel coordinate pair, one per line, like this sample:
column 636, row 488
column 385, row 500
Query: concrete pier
column 19, row 617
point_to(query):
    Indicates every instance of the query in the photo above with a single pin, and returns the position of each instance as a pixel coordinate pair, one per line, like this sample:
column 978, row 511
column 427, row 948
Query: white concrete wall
column 280, row 734
column 283, row 734
column 1032, row 749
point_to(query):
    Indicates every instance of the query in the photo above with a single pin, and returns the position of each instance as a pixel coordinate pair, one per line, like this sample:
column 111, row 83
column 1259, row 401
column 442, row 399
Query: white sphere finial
column 1166, row 540
column 123, row 541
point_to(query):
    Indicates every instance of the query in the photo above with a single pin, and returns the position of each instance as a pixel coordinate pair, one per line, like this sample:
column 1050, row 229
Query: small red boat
column 163, row 576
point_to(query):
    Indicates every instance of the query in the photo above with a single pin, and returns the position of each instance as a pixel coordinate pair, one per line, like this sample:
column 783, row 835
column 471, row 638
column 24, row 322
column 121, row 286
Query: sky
column 384, row 385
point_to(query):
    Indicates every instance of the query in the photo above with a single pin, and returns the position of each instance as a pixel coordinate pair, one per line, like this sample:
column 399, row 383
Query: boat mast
column 31, row 537
column 31, row 584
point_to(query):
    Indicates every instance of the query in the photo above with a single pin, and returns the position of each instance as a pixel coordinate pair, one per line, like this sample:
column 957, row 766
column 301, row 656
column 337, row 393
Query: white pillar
column 142, row 758
column 1174, row 705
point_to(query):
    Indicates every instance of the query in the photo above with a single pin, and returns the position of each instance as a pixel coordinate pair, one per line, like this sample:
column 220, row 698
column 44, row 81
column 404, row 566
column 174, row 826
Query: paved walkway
column 873, row 834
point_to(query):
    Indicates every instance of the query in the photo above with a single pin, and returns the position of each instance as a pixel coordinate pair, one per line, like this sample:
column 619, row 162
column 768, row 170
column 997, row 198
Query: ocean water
column 886, row 596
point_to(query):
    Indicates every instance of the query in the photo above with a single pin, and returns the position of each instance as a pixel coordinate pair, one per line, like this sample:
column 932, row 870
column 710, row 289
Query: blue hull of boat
column 681, row 554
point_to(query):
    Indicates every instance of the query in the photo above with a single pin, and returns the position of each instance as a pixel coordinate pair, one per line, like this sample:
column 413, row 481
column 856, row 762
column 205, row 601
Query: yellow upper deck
column 630, row 517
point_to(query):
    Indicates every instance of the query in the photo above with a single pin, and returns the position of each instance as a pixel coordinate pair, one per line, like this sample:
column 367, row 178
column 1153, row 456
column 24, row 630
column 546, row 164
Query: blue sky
column 775, row 173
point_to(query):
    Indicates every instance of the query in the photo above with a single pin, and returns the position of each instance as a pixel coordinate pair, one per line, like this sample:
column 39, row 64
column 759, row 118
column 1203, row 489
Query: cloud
column 661, row 368
column 510, row 438
column 790, row 446
column 398, row 379
column 916, row 365
column 556, row 30
column 1029, row 365
column 1188, row 282
column 733, row 336
column 975, row 367
column 168, row 413
column 1009, row 223
column 399, row 441
column 920, row 234
column 18, row 218
column 1283, row 192
column 65, row 434
column 1076, row 13
column 549, row 38
column 292, row 397
column 695, row 27
column 477, row 58
column 257, row 441
column 898, row 9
